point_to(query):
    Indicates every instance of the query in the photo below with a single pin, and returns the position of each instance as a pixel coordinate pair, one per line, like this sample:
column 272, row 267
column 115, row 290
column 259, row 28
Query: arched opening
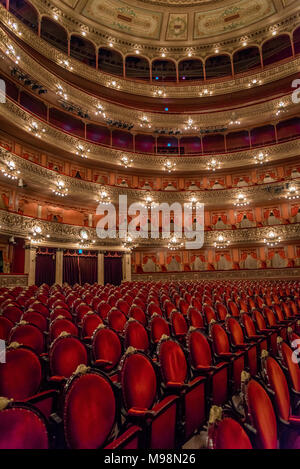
column 137, row 67
column 110, row 61
column 213, row 143
column 145, row 143
column 54, row 34
column 191, row 145
column 263, row 135
column 288, row 129
column 277, row 49
column 190, row 69
column 83, row 50
column 98, row 134
column 33, row 105
column 25, row 12
column 237, row 140
column 296, row 40
column 246, row 59
column 163, row 70
column 218, row 66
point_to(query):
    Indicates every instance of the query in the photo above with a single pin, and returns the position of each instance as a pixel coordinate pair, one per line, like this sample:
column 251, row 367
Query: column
column 100, row 268
column 39, row 211
column 30, row 263
column 90, row 219
column 127, row 267
column 59, row 259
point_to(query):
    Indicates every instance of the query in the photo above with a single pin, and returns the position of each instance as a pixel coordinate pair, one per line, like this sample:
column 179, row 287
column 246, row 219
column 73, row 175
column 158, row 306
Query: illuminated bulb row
column 261, row 158
column 10, row 52
column 169, row 166
column 213, row 165
column 14, row 27
column 125, row 161
column 81, row 151
column 241, row 201
column 221, row 242
column 34, row 129
column 60, row 189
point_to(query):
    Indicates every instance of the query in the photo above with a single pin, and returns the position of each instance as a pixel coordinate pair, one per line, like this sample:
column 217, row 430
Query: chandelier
column 37, row 235
column 241, row 201
column 34, row 129
column 60, row 189
column 193, row 201
column 272, row 239
column 292, row 193
column 81, row 151
column 10, row 170
column 175, row 243
column 261, row 158
column 148, row 201
column 213, row 164
column 169, row 166
column 221, row 242
column 11, row 53
column 128, row 242
column 103, row 197
column 125, row 161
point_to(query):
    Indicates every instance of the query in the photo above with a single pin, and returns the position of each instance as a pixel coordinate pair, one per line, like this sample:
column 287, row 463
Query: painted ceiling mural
column 123, row 17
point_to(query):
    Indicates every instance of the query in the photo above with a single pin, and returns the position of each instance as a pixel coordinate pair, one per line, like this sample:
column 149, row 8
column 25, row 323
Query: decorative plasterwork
column 11, row 280
column 262, row 274
column 42, row 178
column 143, row 161
column 147, row 89
column 22, row 226
column 255, row 113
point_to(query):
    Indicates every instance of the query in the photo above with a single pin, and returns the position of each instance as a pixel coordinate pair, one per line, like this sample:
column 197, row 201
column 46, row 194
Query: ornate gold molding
column 13, row 280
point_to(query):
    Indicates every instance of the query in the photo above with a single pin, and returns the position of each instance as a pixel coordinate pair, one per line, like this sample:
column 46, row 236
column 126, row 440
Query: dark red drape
column 88, row 270
column 45, row 269
column 18, row 261
column 71, row 269
column 113, row 270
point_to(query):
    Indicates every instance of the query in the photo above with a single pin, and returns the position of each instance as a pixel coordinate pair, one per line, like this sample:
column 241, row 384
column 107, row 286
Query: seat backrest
column 123, row 306
column 277, row 382
column 234, row 310
column 195, row 318
column 106, row 346
column 136, row 335
column 60, row 325
column 35, row 318
column 137, row 313
column 199, row 349
column 89, row 411
column 278, row 312
column 220, row 339
column 21, row 375
column 235, row 331
column 138, row 381
column 229, row 434
column 172, row 361
column 179, row 323
column 248, row 324
column 5, row 327
column 28, row 335
column 262, row 415
column 89, row 324
column 22, row 427
column 65, row 355
column 209, row 313
column 116, row 319
column 221, row 311
column 259, row 319
column 158, row 327
column 270, row 316
column 13, row 313
column 40, row 308
column 153, row 308
column 292, row 365
column 103, row 309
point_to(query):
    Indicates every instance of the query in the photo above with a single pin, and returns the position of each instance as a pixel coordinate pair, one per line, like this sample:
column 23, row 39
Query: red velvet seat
column 90, row 414
column 202, row 364
column 179, row 325
column 153, row 308
column 40, row 308
column 103, row 309
column 123, row 306
column 89, row 324
column 106, row 349
column 273, row 323
column 261, row 415
column 250, row 332
column 209, row 314
column 174, row 374
column 195, row 318
column 158, row 327
column 137, row 313
column 5, row 327
column 291, row 362
column 135, row 335
column 261, row 328
column 221, row 348
column 21, row 377
column 66, row 353
column 221, row 311
column 12, row 312
column 59, row 325
column 28, row 335
column 116, row 320
column 238, row 343
column 139, row 390
column 22, row 427
column 60, row 312
column 233, row 309
column 35, row 318
column 227, row 433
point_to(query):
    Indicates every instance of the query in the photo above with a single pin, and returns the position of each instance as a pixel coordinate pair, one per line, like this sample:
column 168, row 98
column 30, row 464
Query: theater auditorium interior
column 150, row 224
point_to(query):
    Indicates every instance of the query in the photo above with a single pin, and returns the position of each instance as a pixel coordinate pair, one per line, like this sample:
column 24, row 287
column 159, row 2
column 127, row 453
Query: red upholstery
column 238, row 341
column 5, row 327
column 36, row 318
column 60, row 325
column 106, row 348
column 29, row 335
column 229, row 434
column 22, row 428
column 136, row 335
column 123, row 306
column 262, row 415
column 13, row 313
column 278, row 383
column 65, row 355
column 195, row 318
column 179, row 325
column 116, row 320
column 103, row 309
column 89, row 411
column 40, row 308
column 60, row 312
column 158, row 327
column 153, row 308
column 293, row 368
column 209, row 314
column 137, row 313
column 89, row 324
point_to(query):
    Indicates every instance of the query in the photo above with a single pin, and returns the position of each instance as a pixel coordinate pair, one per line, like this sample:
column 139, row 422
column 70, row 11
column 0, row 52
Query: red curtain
column 45, row 269
column 71, row 270
column 113, row 270
column 18, row 262
column 88, row 270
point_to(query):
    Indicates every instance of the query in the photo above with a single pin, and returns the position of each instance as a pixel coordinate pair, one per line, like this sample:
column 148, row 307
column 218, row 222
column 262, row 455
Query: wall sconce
column 60, row 189
column 272, row 239
column 169, row 166
column 221, row 242
column 213, row 164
